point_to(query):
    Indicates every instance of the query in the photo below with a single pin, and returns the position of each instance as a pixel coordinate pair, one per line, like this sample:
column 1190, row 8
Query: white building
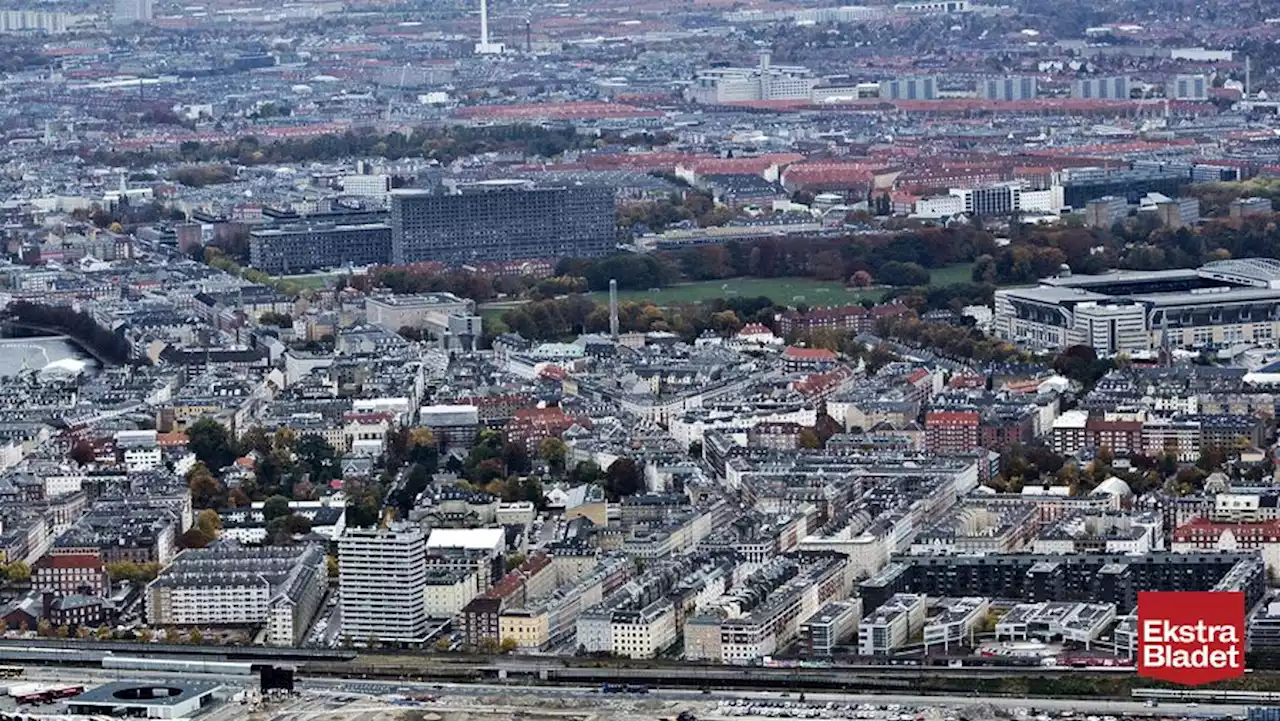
column 889, row 627
column 956, row 623
column 368, row 186
column 764, row 82
column 279, row 588
column 382, row 580
column 448, row 589
column 127, row 12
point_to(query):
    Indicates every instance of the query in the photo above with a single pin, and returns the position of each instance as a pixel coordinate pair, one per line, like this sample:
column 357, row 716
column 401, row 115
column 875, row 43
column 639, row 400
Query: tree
column 488, row 644
column 443, row 644
column 18, row 572
column 275, row 507
column 331, row 566
column 623, row 479
column 211, row 444
column 44, row 629
column 205, row 530
column 61, row 632
column 82, row 452
column 508, row 645
column 206, row 491
column 195, row 636
column 585, row 472
column 553, row 451
column 171, row 636
column 809, row 438
column 318, row 458
column 282, row 530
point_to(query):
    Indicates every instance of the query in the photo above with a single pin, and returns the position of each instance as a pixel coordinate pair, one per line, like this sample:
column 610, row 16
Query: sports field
column 783, row 291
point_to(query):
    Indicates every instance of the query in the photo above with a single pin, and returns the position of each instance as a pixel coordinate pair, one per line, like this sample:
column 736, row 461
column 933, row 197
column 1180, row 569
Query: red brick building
column 529, row 426
column 952, row 431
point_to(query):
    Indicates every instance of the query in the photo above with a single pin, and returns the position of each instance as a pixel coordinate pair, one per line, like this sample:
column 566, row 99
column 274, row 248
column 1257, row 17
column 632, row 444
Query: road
column 1100, row 707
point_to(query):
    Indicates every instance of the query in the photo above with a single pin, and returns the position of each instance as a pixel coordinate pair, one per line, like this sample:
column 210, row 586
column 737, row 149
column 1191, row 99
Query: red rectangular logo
column 1191, row 638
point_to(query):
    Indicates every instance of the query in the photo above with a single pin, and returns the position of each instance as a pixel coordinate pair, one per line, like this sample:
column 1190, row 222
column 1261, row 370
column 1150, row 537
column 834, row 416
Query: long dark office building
column 1131, row 185
column 1100, row 577
column 306, row 247
column 501, row 220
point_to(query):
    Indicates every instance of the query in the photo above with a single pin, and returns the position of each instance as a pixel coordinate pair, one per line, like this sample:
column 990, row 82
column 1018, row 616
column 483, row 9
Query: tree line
column 444, row 144
column 108, row 344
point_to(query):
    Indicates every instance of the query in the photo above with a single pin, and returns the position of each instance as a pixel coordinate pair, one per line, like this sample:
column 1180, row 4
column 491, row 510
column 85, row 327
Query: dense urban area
column 598, row 360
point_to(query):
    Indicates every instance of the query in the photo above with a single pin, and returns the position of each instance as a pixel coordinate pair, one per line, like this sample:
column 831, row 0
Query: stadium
column 1138, row 312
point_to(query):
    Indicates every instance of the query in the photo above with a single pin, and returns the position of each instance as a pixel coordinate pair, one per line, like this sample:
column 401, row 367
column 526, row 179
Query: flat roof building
column 500, row 220
column 1220, row 303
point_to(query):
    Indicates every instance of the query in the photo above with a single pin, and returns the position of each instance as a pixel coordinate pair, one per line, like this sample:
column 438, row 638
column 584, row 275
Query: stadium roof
column 1257, row 272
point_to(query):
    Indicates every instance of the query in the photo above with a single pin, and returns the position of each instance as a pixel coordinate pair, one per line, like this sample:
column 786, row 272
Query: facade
column 1190, row 87
column 830, row 627
column 1244, row 207
column 382, row 579
column 764, row 82
column 1001, row 199
column 1177, row 212
column 1223, row 302
column 500, row 221
column 127, row 12
column 910, row 88
column 889, row 626
column 451, row 320
column 279, row 588
column 15, row 21
column 1111, row 88
column 304, row 248
column 1104, row 212
column 1011, row 88
column 71, row 570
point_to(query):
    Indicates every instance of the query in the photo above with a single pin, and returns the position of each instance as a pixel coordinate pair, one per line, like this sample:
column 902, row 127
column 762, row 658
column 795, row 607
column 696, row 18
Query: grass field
column 783, row 291
column 780, row 290
column 314, row 281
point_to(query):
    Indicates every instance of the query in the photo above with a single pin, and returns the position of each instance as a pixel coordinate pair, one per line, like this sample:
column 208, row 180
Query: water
column 37, row 353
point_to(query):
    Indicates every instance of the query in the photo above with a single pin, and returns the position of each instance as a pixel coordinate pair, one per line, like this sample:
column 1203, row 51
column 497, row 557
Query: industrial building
column 1223, row 302
column 763, row 82
column 306, row 247
column 500, row 220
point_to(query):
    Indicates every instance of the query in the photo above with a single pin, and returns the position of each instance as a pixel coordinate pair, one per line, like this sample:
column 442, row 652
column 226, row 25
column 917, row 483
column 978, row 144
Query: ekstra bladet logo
column 1191, row 638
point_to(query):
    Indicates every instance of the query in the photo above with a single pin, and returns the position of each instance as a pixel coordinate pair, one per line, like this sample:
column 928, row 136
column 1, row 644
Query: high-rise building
column 1022, row 87
column 18, row 21
column 382, row 580
column 1190, row 87
column 1112, row 88
column 910, row 88
column 501, row 220
column 313, row 246
column 127, row 12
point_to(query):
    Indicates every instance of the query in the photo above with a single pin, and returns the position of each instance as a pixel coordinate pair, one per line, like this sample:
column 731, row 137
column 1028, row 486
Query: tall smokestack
column 484, row 47
column 613, row 308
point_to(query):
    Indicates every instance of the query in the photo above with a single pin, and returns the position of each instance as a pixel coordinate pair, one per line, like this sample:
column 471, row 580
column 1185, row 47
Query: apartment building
column 279, row 588
column 382, row 581
column 501, row 220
